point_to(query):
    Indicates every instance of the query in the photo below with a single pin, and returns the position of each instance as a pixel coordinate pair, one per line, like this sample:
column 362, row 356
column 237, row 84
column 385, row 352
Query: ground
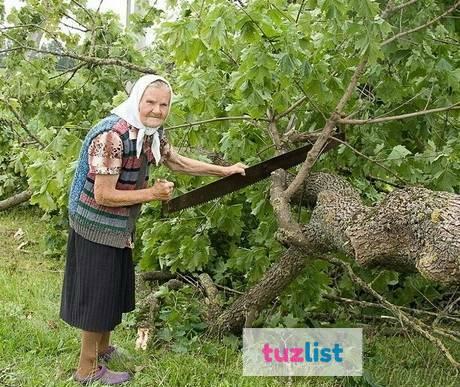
column 38, row 349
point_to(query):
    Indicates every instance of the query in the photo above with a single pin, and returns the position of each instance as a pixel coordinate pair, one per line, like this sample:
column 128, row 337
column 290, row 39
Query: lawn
column 37, row 349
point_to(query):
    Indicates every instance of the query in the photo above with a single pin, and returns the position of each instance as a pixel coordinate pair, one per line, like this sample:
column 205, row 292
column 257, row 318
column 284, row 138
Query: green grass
column 38, row 349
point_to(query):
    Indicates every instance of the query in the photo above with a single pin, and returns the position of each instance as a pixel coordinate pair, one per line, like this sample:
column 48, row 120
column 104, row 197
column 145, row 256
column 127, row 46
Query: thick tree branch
column 351, row 86
column 274, row 281
column 290, row 232
column 427, row 24
column 15, row 200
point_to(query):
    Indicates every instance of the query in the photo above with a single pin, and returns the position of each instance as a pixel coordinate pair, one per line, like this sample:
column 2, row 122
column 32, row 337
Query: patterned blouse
column 105, row 151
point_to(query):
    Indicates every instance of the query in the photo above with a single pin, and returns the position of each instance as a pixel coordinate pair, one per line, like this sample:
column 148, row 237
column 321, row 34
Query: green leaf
column 227, row 219
column 44, row 200
column 290, row 321
column 398, row 154
column 365, row 8
column 249, row 32
column 193, row 49
column 444, row 66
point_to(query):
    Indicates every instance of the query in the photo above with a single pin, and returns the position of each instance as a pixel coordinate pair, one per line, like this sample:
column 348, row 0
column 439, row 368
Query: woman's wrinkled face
column 154, row 106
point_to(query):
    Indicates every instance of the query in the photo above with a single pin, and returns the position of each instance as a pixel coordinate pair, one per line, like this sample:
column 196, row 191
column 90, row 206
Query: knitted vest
column 112, row 226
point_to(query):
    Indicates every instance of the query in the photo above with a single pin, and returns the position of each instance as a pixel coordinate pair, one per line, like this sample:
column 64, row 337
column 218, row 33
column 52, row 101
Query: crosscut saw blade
column 236, row 182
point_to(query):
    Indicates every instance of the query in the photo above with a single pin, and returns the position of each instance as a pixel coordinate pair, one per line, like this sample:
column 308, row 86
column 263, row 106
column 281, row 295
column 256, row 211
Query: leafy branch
column 335, row 116
column 91, row 60
column 369, row 159
column 21, row 121
column 88, row 59
column 84, row 29
column 294, row 106
column 217, row 119
column 290, row 233
column 325, row 134
column 427, row 24
column 346, row 121
column 411, row 321
column 391, row 10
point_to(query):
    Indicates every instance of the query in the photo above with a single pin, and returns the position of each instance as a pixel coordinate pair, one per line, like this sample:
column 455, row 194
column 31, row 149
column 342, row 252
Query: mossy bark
column 411, row 230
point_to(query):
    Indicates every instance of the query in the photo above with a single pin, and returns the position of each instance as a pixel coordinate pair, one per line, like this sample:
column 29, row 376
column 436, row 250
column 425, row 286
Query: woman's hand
column 162, row 190
column 235, row 168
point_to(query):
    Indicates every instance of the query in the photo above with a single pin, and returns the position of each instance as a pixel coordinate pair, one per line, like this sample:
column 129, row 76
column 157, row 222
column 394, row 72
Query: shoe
column 104, row 376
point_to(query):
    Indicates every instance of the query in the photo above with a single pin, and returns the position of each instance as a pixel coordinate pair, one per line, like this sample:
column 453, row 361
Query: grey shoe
column 104, row 376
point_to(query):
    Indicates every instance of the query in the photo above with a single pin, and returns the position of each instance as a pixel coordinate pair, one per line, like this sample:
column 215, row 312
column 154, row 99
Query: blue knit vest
column 112, row 226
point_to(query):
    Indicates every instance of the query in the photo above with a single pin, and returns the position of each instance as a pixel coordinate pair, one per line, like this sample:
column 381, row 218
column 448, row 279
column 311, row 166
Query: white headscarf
column 129, row 111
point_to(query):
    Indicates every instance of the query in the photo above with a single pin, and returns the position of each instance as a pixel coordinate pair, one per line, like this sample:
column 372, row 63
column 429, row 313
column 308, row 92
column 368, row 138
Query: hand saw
column 236, row 182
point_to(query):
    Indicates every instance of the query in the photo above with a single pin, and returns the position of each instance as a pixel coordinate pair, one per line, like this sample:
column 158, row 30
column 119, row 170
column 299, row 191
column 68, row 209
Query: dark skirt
column 98, row 285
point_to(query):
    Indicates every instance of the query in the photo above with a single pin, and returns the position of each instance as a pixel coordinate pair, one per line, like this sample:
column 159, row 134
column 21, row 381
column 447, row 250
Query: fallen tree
column 412, row 230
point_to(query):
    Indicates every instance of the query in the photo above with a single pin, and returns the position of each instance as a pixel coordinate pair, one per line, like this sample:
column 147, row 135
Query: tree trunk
column 412, row 230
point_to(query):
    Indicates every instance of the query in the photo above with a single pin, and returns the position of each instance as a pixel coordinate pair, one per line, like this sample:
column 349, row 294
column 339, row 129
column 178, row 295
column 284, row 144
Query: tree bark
column 411, row 230
column 275, row 280
column 15, row 200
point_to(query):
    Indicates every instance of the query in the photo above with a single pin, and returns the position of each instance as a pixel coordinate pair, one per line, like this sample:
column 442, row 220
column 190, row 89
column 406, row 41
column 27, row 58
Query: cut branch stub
column 212, row 300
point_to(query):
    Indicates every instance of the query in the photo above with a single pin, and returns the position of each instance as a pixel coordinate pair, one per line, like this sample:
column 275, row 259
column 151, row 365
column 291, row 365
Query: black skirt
column 98, row 285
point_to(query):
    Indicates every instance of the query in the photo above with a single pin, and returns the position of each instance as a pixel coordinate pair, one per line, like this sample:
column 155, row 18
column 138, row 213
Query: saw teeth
column 211, row 199
column 254, row 174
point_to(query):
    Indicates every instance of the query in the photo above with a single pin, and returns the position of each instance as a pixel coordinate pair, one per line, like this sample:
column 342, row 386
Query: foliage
column 179, row 320
column 12, row 155
column 228, row 60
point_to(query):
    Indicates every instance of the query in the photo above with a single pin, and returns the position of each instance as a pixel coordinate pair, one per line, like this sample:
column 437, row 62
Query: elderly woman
column 109, row 186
